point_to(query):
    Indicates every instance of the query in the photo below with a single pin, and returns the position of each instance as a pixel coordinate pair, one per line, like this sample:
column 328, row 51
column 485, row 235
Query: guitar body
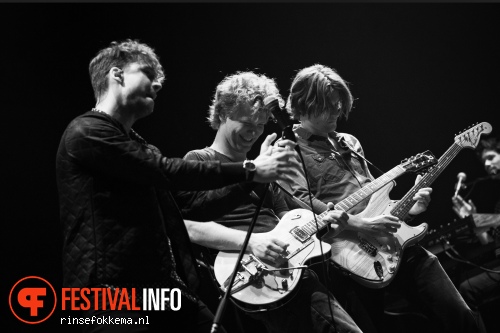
column 271, row 289
column 374, row 261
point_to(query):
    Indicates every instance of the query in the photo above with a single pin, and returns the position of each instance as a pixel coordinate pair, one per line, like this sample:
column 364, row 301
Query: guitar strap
column 345, row 145
column 296, row 200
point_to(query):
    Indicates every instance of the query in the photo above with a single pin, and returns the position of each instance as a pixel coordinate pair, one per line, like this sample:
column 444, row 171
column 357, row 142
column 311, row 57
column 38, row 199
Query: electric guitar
column 261, row 284
column 374, row 261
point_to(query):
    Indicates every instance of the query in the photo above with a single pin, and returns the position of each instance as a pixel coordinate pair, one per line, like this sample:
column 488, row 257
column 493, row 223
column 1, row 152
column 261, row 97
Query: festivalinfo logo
column 33, row 299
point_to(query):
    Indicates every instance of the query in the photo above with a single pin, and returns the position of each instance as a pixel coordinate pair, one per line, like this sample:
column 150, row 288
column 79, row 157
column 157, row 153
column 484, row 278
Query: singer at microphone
column 479, row 288
column 460, row 183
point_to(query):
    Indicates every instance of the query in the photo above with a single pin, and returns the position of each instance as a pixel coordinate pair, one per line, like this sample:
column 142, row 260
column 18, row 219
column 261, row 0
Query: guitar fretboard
column 468, row 139
column 406, row 203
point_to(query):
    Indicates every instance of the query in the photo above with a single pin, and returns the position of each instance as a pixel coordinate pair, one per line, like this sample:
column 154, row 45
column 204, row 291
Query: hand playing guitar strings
column 338, row 220
column 267, row 247
column 385, row 225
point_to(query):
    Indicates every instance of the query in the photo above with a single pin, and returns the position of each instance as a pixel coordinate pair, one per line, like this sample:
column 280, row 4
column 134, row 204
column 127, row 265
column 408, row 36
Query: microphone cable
column 459, row 258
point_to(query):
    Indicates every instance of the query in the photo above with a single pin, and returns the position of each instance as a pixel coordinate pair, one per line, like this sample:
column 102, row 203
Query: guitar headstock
column 470, row 138
column 419, row 162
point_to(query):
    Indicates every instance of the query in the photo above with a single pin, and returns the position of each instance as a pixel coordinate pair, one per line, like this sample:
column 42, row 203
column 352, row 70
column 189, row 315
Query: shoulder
column 89, row 121
column 351, row 140
column 204, row 154
column 348, row 137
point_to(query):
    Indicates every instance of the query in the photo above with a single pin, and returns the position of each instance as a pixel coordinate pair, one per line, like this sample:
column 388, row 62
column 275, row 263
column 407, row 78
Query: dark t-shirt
column 237, row 204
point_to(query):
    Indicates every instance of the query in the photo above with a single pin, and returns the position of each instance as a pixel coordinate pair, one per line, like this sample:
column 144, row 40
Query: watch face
column 249, row 165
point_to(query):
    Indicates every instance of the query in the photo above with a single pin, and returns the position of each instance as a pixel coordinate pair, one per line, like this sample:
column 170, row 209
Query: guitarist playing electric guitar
column 336, row 168
column 238, row 114
column 478, row 288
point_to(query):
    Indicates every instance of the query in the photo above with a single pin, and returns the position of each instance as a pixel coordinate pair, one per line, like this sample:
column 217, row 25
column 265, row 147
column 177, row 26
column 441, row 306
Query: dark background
column 420, row 73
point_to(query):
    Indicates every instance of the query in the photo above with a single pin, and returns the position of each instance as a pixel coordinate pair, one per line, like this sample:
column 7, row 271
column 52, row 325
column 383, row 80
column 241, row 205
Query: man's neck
column 235, row 157
column 114, row 111
column 220, row 145
column 315, row 131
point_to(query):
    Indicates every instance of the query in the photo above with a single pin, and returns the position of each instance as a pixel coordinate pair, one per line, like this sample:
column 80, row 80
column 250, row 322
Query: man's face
column 491, row 161
column 139, row 89
column 324, row 123
column 243, row 129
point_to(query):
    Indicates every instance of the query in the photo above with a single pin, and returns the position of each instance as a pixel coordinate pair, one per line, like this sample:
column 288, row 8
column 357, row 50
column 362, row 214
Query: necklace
column 133, row 134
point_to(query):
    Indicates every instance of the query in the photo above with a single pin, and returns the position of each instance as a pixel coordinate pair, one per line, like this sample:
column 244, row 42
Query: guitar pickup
column 300, row 234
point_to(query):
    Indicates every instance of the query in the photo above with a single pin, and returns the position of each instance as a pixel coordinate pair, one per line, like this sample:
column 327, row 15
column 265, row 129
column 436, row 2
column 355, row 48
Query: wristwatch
column 250, row 168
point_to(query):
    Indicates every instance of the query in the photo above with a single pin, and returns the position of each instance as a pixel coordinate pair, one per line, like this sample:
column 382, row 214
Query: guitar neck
column 406, row 203
column 369, row 189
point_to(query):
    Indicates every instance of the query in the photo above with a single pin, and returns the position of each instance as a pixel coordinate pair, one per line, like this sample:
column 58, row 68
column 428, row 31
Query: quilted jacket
column 116, row 209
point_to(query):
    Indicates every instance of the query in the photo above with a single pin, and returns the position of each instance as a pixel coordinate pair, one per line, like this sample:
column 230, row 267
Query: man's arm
column 216, row 236
column 99, row 144
column 209, row 205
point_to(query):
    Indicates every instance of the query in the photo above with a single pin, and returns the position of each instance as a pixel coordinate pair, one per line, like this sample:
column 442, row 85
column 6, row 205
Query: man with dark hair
column 336, row 168
column 486, row 285
column 121, row 227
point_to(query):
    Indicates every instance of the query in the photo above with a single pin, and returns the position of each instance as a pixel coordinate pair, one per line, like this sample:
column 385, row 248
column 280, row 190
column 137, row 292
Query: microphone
column 281, row 117
column 461, row 178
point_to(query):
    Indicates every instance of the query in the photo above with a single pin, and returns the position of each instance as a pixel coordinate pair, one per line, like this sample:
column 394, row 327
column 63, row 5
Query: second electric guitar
column 374, row 261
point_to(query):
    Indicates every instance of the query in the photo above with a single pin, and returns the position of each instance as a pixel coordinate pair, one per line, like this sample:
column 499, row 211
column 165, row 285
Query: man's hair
column 121, row 54
column 489, row 143
column 311, row 93
column 241, row 88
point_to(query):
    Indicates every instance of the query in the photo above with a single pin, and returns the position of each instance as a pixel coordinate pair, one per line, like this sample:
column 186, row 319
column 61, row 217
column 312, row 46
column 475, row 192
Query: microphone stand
column 290, row 135
column 227, row 293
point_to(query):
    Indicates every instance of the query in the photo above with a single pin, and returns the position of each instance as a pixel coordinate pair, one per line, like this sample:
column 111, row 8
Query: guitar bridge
column 367, row 246
column 253, row 266
column 252, row 271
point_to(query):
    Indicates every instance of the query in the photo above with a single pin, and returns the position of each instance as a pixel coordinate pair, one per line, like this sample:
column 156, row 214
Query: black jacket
column 116, row 208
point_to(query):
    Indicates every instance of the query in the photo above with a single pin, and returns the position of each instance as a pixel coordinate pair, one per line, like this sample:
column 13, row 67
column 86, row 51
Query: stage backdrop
column 419, row 73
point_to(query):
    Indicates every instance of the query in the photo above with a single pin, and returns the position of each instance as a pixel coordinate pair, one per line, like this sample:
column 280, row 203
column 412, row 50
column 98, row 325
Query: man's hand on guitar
column 264, row 246
column 381, row 225
column 337, row 219
column 422, row 198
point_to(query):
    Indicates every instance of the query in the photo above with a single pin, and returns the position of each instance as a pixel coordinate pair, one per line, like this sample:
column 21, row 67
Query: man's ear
column 222, row 117
column 116, row 74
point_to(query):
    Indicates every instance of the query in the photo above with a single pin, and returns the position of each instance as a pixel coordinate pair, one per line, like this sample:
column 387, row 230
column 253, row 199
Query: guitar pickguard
column 264, row 284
